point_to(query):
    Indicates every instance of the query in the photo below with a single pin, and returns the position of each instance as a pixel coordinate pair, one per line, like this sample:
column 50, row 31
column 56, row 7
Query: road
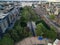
column 43, row 14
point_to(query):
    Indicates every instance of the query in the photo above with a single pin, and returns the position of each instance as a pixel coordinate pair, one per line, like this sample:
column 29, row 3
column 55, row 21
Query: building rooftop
column 4, row 12
column 56, row 42
column 2, row 15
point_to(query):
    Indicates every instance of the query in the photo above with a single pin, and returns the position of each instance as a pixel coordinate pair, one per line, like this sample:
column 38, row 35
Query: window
column 4, row 25
column 8, row 20
column 10, row 17
column 5, row 22
column 0, row 27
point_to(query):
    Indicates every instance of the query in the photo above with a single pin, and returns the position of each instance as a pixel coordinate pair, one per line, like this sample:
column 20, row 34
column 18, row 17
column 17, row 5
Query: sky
column 33, row 0
column 22, row 0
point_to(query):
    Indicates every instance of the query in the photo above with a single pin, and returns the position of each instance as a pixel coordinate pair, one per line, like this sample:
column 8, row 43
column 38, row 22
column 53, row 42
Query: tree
column 14, row 35
column 25, row 14
column 52, row 17
column 23, row 22
column 39, row 29
column 6, row 40
column 42, row 31
column 20, row 32
column 33, row 15
column 28, row 14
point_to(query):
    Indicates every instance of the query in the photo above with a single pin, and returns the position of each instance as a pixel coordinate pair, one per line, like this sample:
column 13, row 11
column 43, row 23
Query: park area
column 20, row 34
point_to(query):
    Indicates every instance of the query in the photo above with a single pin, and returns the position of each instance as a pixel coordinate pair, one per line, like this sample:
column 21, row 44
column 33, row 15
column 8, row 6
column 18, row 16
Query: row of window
column 7, row 21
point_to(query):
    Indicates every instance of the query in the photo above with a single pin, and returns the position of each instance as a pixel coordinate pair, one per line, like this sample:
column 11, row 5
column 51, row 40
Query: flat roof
column 2, row 15
column 5, row 11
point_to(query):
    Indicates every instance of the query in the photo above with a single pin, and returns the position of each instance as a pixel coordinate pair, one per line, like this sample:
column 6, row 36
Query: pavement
column 32, row 41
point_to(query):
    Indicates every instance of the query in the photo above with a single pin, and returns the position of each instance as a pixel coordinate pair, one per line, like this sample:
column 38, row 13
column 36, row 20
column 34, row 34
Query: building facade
column 7, row 20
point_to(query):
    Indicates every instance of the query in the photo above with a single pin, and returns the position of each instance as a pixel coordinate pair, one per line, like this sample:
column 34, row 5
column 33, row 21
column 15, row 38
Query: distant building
column 57, row 11
column 49, row 43
column 29, row 3
column 58, row 19
column 56, row 42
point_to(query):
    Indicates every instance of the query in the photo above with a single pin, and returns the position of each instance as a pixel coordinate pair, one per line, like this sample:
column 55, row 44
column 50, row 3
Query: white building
column 49, row 43
column 57, row 11
column 26, row 4
column 29, row 3
column 56, row 42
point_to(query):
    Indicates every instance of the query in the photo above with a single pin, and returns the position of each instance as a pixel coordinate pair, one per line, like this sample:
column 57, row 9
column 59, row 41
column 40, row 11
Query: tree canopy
column 52, row 17
column 6, row 40
column 29, row 14
column 42, row 31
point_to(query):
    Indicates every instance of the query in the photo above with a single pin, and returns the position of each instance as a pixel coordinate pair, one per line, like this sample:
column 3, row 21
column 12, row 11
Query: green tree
column 25, row 14
column 6, row 40
column 14, row 35
column 52, row 17
column 20, row 30
column 33, row 15
column 39, row 29
column 43, row 31
column 29, row 14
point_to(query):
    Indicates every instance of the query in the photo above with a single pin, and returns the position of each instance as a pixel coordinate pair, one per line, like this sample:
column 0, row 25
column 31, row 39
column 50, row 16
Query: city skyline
column 32, row 0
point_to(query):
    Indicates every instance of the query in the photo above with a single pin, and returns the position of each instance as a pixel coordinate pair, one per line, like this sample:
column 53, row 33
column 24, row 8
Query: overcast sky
column 33, row 0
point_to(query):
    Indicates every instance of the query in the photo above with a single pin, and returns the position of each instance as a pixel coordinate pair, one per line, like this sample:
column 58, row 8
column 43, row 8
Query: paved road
column 42, row 13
